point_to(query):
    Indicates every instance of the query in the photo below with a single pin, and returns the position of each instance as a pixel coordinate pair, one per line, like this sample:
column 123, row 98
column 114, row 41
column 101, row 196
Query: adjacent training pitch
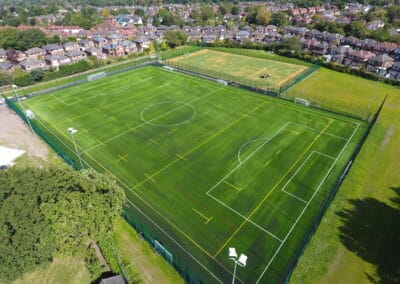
column 207, row 166
column 240, row 67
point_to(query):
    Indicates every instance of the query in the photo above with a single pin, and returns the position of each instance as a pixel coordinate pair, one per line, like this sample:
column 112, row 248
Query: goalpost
column 222, row 82
column 302, row 101
column 96, row 76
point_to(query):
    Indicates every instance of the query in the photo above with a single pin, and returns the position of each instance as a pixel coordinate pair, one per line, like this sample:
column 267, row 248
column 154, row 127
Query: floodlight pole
column 13, row 87
column 234, row 272
column 72, row 131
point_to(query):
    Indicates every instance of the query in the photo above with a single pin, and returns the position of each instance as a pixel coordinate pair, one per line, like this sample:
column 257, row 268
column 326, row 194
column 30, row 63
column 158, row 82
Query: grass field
column 209, row 166
column 357, row 240
column 241, row 67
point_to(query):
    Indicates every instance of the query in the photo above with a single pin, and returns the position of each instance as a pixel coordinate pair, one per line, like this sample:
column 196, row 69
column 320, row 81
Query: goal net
column 225, row 83
column 302, row 101
column 169, row 68
column 163, row 251
column 96, row 76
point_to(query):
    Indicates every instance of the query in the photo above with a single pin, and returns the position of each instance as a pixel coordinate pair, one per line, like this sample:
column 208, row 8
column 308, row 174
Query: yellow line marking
column 150, row 177
column 97, row 109
column 267, row 162
column 132, row 129
column 153, row 141
column 68, row 119
column 173, row 130
column 84, row 130
column 199, row 145
column 113, row 118
column 238, row 189
column 208, row 219
column 181, row 157
column 120, row 157
column 273, row 189
column 277, row 153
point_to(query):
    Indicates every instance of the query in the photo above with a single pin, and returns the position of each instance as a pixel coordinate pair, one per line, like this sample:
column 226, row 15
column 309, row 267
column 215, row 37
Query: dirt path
column 14, row 133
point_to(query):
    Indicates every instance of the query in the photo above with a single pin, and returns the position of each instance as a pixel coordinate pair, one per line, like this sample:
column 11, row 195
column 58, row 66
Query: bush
column 24, row 80
column 37, row 74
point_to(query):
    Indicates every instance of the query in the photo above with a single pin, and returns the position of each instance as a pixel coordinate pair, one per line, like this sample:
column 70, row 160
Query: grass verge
column 357, row 240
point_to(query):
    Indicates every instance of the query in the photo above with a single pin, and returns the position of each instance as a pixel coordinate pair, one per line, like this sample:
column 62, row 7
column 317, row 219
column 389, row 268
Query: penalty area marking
column 208, row 219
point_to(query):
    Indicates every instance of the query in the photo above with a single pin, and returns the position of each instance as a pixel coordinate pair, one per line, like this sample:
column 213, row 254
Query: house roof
column 51, row 47
column 5, row 65
column 75, row 53
column 30, row 62
column 35, row 50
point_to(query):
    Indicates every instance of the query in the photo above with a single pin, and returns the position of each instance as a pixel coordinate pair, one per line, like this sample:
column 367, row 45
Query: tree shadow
column 372, row 230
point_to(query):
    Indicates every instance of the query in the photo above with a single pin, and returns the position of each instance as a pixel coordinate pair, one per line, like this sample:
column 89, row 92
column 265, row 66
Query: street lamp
column 234, row 257
column 73, row 131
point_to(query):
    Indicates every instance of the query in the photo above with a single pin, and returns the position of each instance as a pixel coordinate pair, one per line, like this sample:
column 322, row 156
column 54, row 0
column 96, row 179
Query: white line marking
column 232, row 171
column 318, row 130
column 305, row 208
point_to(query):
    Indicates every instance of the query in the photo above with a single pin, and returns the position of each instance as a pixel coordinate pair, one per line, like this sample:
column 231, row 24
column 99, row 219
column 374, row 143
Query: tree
column 263, row 16
column 8, row 38
column 207, row 13
column 30, row 38
column 279, row 19
column 105, row 13
column 222, row 10
column 235, row 10
column 151, row 48
column 356, row 29
column 37, row 74
column 5, row 78
column 139, row 12
column 44, row 212
column 291, row 44
column 175, row 38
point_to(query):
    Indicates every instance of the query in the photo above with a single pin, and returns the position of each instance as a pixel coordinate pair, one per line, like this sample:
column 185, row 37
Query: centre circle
column 168, row 113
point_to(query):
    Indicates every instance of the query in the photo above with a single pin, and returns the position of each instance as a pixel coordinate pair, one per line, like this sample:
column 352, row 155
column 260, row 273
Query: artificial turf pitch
column 209, row 166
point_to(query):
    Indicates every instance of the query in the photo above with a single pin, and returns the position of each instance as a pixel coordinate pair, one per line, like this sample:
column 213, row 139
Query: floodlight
column 232, row 253
column 242, row 260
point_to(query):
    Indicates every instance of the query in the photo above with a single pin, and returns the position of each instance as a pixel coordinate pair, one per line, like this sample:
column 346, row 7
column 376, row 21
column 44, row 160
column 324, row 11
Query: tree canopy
column 49, row 211
column 175, row 38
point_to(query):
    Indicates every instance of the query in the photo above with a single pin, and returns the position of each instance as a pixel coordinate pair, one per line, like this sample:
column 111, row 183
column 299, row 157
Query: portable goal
column 302, row 101
column 96, row 76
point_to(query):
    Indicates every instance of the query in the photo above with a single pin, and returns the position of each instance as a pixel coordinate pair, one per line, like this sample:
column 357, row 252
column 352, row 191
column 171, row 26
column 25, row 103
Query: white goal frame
column 302, row 101
column 96, row 76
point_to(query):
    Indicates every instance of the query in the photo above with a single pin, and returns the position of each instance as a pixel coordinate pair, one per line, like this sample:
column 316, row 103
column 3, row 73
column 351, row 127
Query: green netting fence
column 62, row 153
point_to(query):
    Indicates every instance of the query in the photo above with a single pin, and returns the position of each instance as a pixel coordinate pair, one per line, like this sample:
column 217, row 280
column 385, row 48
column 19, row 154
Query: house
column 385, row 47
column 379, row 63
column 76, row 55
column 358, row 58
column 31, row 64
column 142, row 42
column 271, row 29
column 70, row 46
column 339, row 53
column 95, row 52
column 113, row 50
column 57, row 60
column 99, row 41
column 6, row 66
column 3, row 55
column 375, row 25
column 85, row 44
column 53, row 49
column 15, row 56
column 242, row 35
column 35, row 53
column 394, row 71
column 112, row 38
column 129, row 46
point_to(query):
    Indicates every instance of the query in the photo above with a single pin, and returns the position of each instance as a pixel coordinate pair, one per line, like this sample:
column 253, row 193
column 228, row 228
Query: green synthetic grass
column 240, row 67
column 211, row 166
